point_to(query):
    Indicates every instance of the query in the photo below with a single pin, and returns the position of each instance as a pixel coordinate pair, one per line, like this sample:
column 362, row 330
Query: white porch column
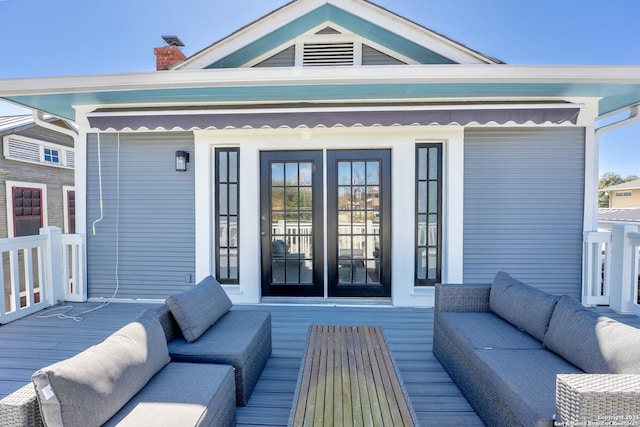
column 622, row 268
column 54, row 280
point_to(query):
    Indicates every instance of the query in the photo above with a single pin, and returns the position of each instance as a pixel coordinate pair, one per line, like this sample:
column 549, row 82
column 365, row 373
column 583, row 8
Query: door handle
column 263, row 233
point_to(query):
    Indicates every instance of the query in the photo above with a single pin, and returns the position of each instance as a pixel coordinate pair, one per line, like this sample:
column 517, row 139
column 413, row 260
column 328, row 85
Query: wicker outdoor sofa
column 524, row 357
column 187, row 363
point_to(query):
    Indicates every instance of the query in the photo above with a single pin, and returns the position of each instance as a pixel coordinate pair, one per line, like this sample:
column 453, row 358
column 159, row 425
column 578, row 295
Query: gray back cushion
column 525, row 307
column 92, row 386
column 594, row 343
column 198, row 308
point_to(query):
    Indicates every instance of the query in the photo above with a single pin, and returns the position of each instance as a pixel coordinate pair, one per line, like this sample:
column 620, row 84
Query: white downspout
column 634, row 116
column 38, row 118
column 620, row 290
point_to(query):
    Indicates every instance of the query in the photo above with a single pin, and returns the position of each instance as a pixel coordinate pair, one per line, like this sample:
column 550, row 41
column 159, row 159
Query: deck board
column 31, row 343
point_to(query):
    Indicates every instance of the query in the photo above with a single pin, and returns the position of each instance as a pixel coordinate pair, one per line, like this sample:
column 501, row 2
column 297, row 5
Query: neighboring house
column 37, row 169
column 608, row 217
column 334, row 149
column 625, row 195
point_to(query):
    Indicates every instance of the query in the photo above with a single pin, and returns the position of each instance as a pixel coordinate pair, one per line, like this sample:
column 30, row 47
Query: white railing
column 40, row 271
column 634, row 242
column 596, row 278
column 73, row 265
column 611, row 267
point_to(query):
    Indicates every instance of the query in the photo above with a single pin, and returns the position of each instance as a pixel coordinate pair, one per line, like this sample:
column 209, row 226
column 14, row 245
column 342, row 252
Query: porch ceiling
column 617, row 87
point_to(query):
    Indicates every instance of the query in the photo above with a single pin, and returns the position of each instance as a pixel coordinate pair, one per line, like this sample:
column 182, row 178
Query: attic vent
column 328, row 54
column 71, row 158
column 22, row 150
column 328, row 30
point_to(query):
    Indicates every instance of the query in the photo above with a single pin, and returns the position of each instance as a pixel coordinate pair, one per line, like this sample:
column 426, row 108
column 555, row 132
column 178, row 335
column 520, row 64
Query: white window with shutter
column 29, row 150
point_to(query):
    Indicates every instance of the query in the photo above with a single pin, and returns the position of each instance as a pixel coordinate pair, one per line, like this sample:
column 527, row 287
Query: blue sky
column 70, row 37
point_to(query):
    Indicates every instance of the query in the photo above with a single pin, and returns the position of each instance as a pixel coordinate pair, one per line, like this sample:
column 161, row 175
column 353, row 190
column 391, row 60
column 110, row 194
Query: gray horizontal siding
column 43, row 134
column 371, row 56
column 285, row 58
column 156, row 221
column 523, row 206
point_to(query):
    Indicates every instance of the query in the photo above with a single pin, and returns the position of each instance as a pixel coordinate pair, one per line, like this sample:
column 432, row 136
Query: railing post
column 622, row 268
column 55, row 285
column 596, row 261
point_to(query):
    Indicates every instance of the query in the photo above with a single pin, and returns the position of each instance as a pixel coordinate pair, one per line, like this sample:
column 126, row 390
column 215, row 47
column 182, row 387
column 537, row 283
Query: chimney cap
column 173, row 41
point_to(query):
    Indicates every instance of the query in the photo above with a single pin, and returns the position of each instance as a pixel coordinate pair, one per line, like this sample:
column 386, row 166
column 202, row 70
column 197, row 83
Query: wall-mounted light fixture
column 182, row 158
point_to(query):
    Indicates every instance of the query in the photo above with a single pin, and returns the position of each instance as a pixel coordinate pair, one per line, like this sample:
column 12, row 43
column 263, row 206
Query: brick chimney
column 166, row 56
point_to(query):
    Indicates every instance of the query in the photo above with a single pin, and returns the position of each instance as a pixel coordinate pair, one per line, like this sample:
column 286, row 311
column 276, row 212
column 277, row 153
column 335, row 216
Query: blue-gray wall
column 156, row 221
column 523, row 206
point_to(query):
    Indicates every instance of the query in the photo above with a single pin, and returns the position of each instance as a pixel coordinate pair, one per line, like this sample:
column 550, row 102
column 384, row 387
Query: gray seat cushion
column 485, row 330
column 231, row 340
column 92, row 386
column 199, row 307
column 595, row 343
column 526, row 380
column 183, row 394
column 521, row 305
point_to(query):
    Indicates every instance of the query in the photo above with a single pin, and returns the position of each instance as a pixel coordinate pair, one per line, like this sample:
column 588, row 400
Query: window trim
column 217, row 151
column 439, row 244
column 9, row 201
column 65, row 206
column 54, row 155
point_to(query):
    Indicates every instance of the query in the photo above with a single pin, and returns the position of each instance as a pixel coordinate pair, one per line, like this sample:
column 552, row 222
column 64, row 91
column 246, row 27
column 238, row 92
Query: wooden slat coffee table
column 348, row 378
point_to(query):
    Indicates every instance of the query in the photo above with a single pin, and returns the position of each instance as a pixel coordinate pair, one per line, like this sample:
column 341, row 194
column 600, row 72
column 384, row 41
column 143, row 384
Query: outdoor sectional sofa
column 524, row 357
column 132, row 378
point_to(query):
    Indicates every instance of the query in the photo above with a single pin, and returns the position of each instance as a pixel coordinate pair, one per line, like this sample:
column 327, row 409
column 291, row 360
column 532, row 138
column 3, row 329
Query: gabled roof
column 369, row 22
column 629, row 185
column 467, row 76
column 619, row 214
column 14, row 122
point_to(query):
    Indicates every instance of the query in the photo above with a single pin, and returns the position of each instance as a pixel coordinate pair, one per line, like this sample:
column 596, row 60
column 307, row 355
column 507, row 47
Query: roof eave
column 433, row 74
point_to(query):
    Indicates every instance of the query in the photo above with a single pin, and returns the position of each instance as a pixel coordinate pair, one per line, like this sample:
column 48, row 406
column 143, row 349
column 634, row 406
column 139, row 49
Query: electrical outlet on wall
column 188, row 278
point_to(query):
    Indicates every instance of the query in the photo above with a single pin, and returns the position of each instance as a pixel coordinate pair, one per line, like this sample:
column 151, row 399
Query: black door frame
column 267, row 158
column 359, row 290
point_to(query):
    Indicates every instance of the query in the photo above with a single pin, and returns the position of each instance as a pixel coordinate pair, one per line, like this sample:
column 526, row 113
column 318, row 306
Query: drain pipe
column 38, row 118
column 620, row 266
column 634, row 116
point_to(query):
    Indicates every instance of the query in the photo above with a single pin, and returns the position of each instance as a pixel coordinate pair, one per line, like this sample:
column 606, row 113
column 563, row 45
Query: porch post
column 622, row 268
column 54, row 284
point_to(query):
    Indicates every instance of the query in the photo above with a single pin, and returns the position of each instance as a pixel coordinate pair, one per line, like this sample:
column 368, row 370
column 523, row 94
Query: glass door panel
column 359, row 223
column 291, row 222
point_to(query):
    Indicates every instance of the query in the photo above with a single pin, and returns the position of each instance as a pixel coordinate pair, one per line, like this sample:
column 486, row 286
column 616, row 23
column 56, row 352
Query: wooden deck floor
column 33, row 342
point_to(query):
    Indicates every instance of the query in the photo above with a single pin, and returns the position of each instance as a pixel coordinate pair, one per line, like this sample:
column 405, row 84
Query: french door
column 291, row 223
column 358, row 223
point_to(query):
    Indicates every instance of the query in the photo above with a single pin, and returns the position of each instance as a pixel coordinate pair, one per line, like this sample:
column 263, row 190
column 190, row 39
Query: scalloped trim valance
column 230, row 119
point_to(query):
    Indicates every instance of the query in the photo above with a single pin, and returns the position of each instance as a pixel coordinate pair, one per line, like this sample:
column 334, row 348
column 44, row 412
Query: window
column 29, row 150
column 69, row 207
column 27, row 211
column 226, row 215
column 51, row 156
column 428, row 214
